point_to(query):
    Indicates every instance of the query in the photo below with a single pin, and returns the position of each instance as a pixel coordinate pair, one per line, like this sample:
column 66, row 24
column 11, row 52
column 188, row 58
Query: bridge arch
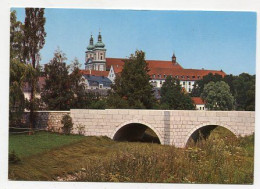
column 120, row 128
column 212, row 125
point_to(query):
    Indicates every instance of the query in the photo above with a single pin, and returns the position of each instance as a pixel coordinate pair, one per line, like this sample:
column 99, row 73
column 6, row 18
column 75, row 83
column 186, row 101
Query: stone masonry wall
column 47, row 120
column 173, row 127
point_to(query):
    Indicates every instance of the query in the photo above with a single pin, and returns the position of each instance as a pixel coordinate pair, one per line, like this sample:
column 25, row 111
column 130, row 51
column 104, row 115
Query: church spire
column 91, row 40
column 91, row 43
column 99, row 37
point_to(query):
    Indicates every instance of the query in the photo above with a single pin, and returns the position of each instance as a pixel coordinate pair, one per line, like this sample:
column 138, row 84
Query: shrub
column 67, row 124
column 13, row 158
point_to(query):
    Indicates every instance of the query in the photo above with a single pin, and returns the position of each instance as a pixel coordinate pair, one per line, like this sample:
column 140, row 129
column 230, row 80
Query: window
column 159, row 75
column 182, row 76
column 183, row 82
column 177, row 76
column 198, row 77
column 164, row 76
column 203, row 108
column 189, row 83
column 188, row 77
column 160, row 82
column 100, row 86
column 193, row 77
column 200, row 108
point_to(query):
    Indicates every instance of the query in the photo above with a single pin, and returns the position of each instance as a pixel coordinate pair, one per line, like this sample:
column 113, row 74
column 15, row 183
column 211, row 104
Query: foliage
column 67, row 124
column 217, row 96
column 133, row 83
column 77, row 86
column 99, row 159
column 57, row 93
column 242, row 88
column 18, row 72
column 244, row 92
column 13, row 158
column 34, row 40
column 199, row 85
column 173, row 97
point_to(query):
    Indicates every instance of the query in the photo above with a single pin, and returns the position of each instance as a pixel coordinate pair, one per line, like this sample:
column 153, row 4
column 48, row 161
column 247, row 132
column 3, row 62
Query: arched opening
column 210, row 132
column 136, row 132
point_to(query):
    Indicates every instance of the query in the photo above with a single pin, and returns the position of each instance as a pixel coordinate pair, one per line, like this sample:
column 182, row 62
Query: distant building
column 159, row 69
column 39, row 87
column 200, row 105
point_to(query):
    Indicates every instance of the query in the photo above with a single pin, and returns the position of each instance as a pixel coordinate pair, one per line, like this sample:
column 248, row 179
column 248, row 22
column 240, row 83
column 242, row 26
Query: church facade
column 97, row 63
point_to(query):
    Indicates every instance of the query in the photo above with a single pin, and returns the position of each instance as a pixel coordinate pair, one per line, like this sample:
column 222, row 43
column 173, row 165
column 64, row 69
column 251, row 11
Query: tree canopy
column 173, row 97
column 57, row 93
column 132, row 87
column 217, row 96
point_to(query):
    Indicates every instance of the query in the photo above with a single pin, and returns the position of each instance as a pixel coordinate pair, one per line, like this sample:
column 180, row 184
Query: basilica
column 97, row 64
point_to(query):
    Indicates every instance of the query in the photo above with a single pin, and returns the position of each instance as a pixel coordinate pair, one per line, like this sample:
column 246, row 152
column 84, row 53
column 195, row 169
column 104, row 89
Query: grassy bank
column 217, row 160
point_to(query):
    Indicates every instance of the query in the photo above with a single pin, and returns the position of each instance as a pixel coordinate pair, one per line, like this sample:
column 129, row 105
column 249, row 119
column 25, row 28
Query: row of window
column 182, row 76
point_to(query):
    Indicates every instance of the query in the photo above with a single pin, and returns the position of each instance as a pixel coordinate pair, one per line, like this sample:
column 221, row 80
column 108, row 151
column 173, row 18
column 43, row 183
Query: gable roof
column 96, row 80
column 118, row 64
column 197, row 100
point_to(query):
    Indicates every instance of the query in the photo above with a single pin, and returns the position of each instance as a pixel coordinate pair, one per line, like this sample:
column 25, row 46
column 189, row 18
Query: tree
column 34, row 40
column 217, row 96
column 244, row 89
column 173, row 97
column 18, row 72
column 57, row 93
column 77, row 86
column 199, row 85
column 133, row 84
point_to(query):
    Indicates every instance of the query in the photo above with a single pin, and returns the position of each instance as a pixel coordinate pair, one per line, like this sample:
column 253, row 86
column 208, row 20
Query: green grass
column 27, row 145
column 95, row 159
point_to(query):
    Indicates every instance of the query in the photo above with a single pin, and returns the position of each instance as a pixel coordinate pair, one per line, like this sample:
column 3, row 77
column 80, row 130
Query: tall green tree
column 18, row 71
column 173, row 97
column 199, row 84
column 217, row 96
column 81, row 97
column 57, row 93
column 244, row 92
column 34, row 40
column 132, row 87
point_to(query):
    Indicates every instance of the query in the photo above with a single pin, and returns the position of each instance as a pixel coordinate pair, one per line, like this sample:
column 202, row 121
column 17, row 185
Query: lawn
column 26, row 145
column 217, row 160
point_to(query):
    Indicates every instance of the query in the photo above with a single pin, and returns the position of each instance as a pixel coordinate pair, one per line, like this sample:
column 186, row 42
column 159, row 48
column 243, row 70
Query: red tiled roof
column 197, row 100
column 182, row 74
column 160, row 69
column 118, row 64
column 95, row 72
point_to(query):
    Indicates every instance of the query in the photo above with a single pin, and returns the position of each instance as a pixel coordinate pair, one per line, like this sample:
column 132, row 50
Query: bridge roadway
column 173, row 127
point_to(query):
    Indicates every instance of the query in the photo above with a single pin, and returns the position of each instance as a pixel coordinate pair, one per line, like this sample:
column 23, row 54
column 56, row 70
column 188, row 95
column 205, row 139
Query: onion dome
column 99, row 44
column 90, row 46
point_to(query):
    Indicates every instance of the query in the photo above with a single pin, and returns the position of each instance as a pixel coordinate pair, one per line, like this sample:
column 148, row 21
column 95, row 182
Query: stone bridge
column 173, row 127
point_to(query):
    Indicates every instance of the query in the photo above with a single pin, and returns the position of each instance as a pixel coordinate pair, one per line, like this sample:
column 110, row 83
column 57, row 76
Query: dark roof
column 96, row 80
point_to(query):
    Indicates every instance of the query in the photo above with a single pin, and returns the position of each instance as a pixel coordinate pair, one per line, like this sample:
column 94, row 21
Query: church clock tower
column 96, row 55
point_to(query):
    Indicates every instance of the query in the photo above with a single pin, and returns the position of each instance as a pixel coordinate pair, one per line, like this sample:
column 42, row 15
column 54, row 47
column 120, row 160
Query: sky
column 212, row 40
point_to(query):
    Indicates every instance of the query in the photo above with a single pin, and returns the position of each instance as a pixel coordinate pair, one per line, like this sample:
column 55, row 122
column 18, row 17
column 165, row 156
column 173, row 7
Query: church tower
column 89, row 55
column 174, row 59
column 96, row 55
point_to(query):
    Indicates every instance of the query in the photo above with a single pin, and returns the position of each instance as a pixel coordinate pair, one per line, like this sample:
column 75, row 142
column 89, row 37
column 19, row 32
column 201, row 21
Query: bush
column 13, row 158
column 67, row 124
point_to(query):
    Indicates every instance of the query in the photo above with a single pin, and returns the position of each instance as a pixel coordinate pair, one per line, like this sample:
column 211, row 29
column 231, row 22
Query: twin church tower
column 96, row 55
